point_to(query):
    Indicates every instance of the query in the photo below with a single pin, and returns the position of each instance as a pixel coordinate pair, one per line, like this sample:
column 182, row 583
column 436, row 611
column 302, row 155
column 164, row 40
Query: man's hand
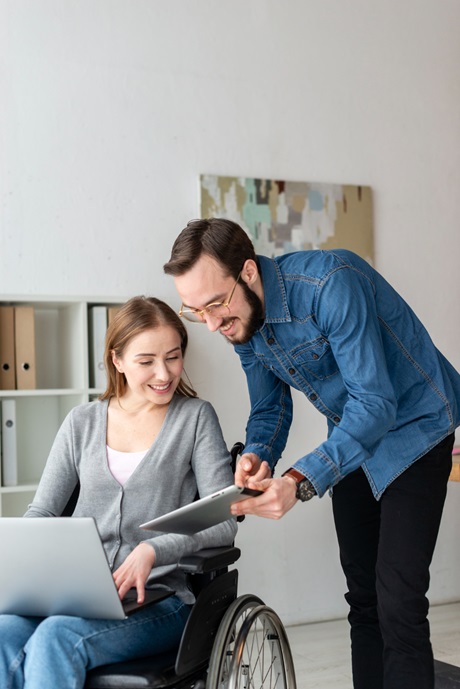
column 277, row 499
column 134, row 571
column 251, row 469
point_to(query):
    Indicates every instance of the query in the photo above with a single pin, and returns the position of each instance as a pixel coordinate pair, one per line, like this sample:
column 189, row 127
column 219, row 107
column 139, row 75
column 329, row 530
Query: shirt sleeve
column 346, row 313
column 270, row 418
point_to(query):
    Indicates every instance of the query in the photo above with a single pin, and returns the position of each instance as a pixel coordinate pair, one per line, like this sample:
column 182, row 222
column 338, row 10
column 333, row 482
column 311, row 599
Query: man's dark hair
column 221, row 239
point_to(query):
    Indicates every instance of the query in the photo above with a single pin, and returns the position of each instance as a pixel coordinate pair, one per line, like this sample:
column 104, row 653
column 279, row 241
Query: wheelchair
column 229, row 641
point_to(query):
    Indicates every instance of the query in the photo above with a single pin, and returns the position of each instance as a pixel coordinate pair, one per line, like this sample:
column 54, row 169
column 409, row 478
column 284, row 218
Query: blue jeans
column 57, row 651
column 386, row 549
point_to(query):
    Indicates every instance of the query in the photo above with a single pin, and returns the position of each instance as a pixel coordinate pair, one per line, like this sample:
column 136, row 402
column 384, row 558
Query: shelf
column 23, row 488
column 44, row 392
column 62, row 346
column 14, row 504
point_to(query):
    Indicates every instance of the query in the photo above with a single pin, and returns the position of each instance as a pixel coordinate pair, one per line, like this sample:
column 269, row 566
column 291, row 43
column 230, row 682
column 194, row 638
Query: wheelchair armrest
column 208, row 559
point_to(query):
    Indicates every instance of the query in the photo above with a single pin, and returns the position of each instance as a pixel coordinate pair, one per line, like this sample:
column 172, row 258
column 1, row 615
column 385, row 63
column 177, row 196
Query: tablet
column 202, row 513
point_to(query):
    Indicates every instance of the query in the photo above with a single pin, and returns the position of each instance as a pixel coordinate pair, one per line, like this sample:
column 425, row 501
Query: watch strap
column 296, row 475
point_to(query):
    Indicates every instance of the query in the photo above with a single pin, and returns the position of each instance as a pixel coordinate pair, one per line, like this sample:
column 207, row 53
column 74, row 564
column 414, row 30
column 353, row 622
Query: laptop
column 58, row 566
column 202, row 513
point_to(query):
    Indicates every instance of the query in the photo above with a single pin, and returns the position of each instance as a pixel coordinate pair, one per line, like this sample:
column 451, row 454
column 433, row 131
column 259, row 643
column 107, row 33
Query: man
column 326, row 323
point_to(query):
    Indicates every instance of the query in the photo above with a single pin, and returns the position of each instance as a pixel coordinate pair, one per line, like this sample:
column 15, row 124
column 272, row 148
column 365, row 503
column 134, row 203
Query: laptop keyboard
column 152, row 596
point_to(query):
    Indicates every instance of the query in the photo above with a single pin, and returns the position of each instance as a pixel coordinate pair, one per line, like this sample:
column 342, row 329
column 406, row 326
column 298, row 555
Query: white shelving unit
column 62, row 373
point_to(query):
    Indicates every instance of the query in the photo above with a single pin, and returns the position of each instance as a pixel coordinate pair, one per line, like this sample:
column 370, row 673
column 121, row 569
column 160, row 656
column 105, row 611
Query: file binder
column 24, row 331
column 97, row 331
column 111, row 311
column 7, row 353
column 9, row 444
column 1, row 448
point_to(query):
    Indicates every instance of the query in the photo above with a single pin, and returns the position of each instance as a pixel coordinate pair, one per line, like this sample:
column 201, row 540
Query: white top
column 122, row 464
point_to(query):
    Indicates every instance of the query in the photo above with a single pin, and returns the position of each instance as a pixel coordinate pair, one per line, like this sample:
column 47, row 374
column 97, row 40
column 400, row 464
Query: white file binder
column 97, row 332
column 9, row 444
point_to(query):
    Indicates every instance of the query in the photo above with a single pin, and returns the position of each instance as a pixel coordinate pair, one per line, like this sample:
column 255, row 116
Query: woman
column 147, row 446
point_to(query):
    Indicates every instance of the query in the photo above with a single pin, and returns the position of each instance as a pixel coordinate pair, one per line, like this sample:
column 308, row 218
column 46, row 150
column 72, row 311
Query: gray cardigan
column 188, row 455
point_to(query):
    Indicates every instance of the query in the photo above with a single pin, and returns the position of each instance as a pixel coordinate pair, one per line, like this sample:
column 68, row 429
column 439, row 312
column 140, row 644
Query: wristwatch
column 305, row 490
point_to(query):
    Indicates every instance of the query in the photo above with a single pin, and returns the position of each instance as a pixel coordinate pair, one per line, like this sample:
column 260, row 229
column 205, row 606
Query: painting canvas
column 283, row 216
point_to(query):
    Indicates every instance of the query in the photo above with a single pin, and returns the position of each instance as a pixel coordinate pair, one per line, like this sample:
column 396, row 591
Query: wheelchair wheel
column 222, row 650
column 261, row 653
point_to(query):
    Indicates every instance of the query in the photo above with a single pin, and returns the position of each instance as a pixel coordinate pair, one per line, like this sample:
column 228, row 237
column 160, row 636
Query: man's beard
column 256, row 317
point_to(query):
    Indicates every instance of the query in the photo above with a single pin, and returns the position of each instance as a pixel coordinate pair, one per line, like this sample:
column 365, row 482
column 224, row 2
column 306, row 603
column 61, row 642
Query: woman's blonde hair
column 137, row 315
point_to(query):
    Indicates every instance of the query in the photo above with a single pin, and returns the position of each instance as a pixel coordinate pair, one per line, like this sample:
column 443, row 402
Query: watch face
column 305, row 490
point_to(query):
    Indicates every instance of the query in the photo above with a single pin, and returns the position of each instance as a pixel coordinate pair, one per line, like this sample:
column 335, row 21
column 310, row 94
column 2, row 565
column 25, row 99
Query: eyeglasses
column 218, row 309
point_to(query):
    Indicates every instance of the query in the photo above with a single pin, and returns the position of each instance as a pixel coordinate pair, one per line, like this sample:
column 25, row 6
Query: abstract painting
column 283, row 216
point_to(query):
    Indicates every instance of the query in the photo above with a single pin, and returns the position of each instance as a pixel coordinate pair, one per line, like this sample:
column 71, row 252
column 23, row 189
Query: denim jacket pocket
column 316, row 357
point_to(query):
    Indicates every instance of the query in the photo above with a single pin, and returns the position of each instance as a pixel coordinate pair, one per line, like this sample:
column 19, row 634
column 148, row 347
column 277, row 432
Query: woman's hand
column 134, row 571
column 251, row 469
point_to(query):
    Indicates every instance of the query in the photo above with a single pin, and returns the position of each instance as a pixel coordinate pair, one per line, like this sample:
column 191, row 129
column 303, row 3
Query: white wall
column 110, row 109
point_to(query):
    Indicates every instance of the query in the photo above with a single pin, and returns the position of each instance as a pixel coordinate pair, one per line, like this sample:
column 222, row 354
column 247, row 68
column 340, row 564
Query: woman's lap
column 60, row 647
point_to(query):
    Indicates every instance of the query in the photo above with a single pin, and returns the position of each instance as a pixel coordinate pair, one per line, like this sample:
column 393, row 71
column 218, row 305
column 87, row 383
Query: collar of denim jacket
column 275, row 299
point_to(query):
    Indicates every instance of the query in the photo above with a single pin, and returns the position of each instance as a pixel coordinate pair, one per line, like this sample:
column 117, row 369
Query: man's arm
column 270, row 418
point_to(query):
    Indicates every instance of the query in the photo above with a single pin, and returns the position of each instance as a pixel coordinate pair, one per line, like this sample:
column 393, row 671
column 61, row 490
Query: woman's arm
column 59, row 477
column 211, row 464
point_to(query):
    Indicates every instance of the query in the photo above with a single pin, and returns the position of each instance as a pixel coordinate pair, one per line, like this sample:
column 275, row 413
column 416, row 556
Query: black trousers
column 386, row 548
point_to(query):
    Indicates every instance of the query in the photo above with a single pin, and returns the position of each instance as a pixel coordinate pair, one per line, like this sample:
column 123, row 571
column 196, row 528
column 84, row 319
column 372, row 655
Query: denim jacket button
column 292, row 371
column 313, row 397
column 336, row 419
column 314, row 356
column 271, row 340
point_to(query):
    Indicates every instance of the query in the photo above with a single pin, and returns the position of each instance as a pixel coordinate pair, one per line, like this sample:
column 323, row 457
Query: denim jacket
column 337, row 331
